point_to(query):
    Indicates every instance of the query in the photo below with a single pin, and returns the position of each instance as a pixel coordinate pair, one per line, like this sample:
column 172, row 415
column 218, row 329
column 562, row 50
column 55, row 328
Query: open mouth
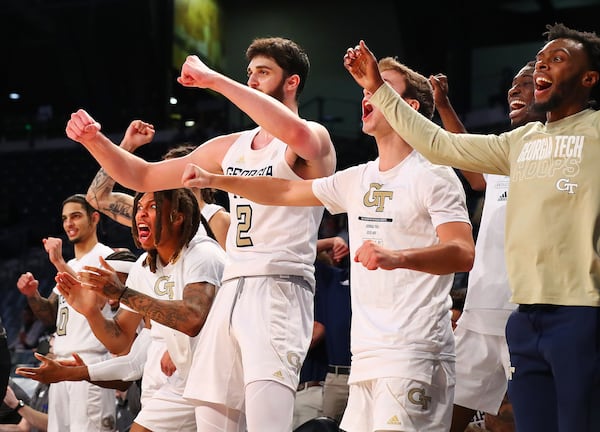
column 542, row 83
column 517, row 107
column 367, row 109
column 143, row 232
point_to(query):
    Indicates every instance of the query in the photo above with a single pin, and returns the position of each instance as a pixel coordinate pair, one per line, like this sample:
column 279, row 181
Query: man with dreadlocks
column 174, row 283
column 552, row 237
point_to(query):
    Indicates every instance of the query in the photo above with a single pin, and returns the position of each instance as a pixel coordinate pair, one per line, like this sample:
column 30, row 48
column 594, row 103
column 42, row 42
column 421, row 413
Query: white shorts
column 401, row 404
column 482, row 364
column 258, row 328
column 81, row 406
column 167, row 411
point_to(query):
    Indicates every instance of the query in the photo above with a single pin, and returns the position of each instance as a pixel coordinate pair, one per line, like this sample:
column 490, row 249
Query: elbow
column 90, row 197
column 306, row 145
column 194, row 328
column 467, row 257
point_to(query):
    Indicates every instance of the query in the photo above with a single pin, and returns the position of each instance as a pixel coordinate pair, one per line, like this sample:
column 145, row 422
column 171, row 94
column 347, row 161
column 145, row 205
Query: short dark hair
column 288, row 55
column 80, row 199
column 591, row 45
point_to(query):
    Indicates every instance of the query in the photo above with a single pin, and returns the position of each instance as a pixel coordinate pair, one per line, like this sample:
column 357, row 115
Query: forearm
column 44, row 309
column 20, row 427
column 36, row 419
column 128, row 367
column 439, row 259
column 110, row 333
column 124, row 168
column 450, row 119
column 185, row 316
column 271, row 115
column 478, row 153
column 268, row 190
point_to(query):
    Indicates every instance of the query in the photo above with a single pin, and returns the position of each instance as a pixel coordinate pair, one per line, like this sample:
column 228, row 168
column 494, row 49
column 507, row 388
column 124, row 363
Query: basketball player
column 409, row 232
column 74, row 406
column 269, row 276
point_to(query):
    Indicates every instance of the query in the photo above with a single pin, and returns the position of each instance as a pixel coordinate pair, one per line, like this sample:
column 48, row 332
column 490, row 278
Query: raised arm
column 262, row 190
column 309, row 140
column 100, row 194
column 53, row 247
column 480, row 153
column 44, row 309
column 452, row 123
column 134, row 172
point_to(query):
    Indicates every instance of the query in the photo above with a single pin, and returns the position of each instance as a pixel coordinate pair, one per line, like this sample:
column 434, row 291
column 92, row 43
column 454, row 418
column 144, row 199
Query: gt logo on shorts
column 417, row 396
column 294, row 360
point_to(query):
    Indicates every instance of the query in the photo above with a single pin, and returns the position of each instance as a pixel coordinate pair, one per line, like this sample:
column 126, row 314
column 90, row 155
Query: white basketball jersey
column 267, row 240
column 73, row 333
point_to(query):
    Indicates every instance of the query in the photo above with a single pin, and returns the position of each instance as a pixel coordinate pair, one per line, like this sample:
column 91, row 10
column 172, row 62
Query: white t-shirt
column 201, row 261
column 398, row 316
column 487, row 304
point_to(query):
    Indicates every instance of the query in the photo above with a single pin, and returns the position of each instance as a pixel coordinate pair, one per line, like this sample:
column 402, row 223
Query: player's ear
column 292, row 82
column 590, row 78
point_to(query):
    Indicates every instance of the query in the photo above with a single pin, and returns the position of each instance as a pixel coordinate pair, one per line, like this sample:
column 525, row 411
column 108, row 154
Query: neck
column 84, row 246
column 392, row 150
column 166, row 253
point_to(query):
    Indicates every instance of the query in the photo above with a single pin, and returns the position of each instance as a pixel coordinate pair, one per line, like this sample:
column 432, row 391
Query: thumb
column 78, row 360
column 92, row 127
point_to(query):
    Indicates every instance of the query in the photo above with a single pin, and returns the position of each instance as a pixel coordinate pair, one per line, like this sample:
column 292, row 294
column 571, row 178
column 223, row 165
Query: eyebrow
column 248, row 69
column 78, row 212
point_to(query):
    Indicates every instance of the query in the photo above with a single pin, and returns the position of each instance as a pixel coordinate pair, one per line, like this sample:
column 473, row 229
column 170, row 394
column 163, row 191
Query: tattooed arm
column 187, row 315
column 117, row 333
column 116, row 205
column 43, row 308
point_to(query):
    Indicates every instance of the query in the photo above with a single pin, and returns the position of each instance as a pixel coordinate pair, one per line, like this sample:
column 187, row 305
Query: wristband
column 20, row 404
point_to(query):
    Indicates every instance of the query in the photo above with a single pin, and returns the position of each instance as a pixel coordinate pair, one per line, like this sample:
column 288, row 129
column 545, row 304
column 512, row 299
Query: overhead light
column 14, row 96
column 173, row 101
column 189, row 123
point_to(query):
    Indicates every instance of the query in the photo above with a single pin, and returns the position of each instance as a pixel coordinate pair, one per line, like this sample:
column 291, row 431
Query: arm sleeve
column 128, row 367
column 477, row 153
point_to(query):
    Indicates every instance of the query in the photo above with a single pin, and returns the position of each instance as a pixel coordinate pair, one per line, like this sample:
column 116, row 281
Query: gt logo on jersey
column 376, row 197
column 565, row 185
column 163, row 287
